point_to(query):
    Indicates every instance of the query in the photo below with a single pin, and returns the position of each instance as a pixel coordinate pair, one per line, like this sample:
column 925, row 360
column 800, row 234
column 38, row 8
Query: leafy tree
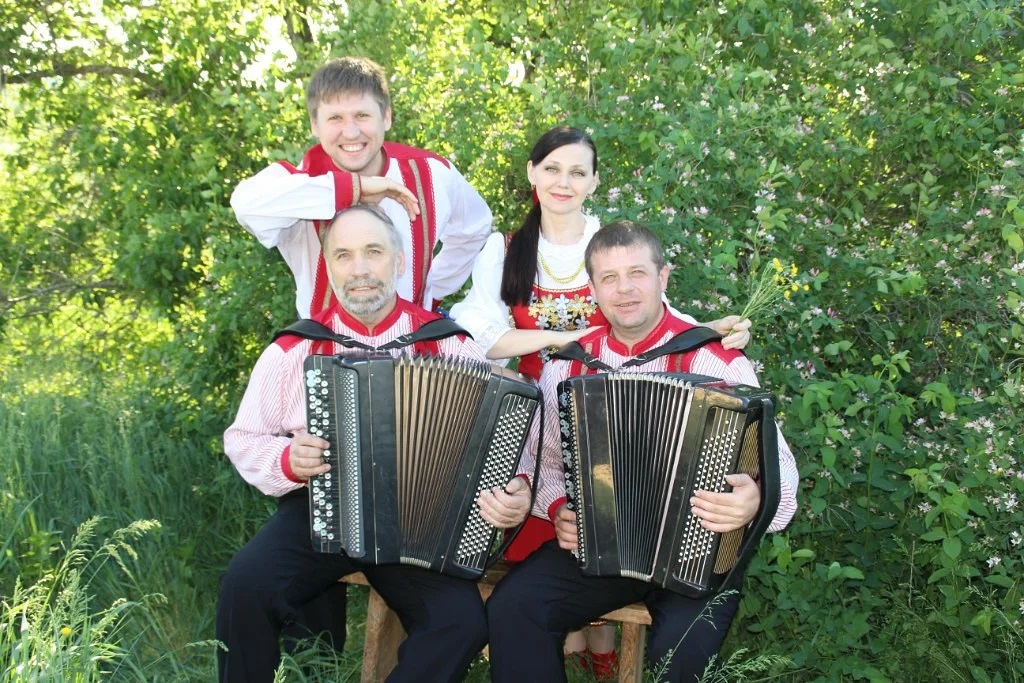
column 875, row 148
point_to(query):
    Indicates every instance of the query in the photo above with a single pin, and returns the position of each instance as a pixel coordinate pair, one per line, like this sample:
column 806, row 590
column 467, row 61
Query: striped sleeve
column 551, row 480
column 271, row 409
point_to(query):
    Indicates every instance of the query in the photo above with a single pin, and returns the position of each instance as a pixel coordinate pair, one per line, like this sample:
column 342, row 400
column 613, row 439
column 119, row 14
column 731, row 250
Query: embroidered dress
column 551, row 309
column 554, row 305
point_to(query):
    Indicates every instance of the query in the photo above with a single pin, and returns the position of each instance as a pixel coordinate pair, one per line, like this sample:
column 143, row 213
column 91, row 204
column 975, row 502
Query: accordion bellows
column 413, row 443
column 636, row 446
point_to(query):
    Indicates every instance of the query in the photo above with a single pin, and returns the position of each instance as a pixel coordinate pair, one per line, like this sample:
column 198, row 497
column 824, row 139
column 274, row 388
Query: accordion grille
column 432, row 424
column 643, row 451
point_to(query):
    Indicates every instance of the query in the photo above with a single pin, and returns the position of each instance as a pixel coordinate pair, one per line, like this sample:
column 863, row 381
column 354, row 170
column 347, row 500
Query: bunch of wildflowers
column 770, row 287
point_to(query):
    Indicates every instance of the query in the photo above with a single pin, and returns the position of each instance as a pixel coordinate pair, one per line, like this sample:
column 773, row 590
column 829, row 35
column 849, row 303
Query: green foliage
column 49, row 631
column 878, row 146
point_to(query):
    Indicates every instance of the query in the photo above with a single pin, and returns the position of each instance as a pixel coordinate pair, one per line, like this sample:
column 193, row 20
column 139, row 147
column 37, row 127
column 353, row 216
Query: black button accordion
column 413, row 442
column 636, row 446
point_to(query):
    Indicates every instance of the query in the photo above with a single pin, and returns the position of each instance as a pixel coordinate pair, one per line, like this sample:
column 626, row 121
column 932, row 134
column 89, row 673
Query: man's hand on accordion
column 306, row 455
column 505, row 508
column 722, row 512
column 565, row 528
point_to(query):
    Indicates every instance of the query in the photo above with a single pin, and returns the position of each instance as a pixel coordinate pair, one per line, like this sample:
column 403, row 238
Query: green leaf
column 1015, row 242
column 983, row 619
column 951, row 546
column 818, row 505
column 1000, row 580
column 852, row 573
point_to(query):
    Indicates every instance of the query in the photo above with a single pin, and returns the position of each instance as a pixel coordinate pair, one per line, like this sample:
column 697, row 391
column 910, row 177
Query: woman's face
column 564, row 178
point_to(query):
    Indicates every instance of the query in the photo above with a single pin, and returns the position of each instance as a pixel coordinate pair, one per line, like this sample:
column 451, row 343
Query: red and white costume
column 285, row 207
column 553, row 305
column 274, row 402
column 712, row 360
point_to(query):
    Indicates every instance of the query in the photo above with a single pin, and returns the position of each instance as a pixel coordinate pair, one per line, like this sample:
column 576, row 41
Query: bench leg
column 384, row 634
column 631, row 653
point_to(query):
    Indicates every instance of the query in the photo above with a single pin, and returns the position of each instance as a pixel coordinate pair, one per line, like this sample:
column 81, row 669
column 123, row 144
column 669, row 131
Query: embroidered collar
column 668, row 324
column 358, row 327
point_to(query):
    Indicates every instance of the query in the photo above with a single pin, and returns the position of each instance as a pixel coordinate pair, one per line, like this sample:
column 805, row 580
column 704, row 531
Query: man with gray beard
column 268, row 581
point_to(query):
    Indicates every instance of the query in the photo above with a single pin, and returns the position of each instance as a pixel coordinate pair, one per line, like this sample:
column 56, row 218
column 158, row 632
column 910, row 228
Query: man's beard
column 370, row 303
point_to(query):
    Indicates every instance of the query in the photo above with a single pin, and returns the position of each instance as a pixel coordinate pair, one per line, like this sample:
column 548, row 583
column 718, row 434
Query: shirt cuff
column 286, row 465
column 553, row 508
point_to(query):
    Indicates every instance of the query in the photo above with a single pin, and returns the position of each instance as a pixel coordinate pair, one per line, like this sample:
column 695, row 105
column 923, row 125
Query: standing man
column 277, row 573
column 547, row 595
column 423, row 194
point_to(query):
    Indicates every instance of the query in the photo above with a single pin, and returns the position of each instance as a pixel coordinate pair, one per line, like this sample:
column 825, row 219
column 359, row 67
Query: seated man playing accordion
column 270, row 581
column 547, row 595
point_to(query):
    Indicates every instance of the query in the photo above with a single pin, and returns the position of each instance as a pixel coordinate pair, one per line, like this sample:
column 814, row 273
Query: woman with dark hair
column 530, row 289
column 531, row 296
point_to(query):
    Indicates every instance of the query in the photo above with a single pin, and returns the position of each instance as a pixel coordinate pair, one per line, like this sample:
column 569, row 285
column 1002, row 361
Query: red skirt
column 535, row 533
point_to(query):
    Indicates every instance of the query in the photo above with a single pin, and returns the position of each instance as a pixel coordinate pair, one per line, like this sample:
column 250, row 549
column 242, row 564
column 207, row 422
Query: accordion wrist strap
column 689, row 340
column 431, row 331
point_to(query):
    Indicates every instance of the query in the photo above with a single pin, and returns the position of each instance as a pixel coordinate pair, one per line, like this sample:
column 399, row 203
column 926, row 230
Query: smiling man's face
column 350, row 128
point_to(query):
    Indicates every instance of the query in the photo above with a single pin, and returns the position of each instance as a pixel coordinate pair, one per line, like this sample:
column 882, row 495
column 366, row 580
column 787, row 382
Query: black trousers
column 545, row 596
column 277, row 584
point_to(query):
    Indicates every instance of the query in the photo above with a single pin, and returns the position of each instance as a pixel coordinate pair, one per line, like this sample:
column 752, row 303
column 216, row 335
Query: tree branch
column 66, row 70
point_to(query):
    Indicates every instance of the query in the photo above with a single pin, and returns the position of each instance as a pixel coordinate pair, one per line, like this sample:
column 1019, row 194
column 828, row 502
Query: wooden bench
column 384, row 633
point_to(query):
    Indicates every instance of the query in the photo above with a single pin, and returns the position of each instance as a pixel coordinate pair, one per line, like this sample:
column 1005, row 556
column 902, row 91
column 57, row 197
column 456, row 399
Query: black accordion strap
column 442, row 328
column 432, row 331
column 693, row 338
column 574, row 351
column 311, row 329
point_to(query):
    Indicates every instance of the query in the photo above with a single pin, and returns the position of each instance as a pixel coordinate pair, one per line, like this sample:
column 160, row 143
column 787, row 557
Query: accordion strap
column 442, row 328
column 575, row 351
column 691, row 339
column 311, row 329
column 434, row 330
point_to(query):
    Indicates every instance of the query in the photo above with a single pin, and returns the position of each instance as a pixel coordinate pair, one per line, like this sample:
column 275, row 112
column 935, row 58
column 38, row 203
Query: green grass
column 78, row 475
column 116, row 531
